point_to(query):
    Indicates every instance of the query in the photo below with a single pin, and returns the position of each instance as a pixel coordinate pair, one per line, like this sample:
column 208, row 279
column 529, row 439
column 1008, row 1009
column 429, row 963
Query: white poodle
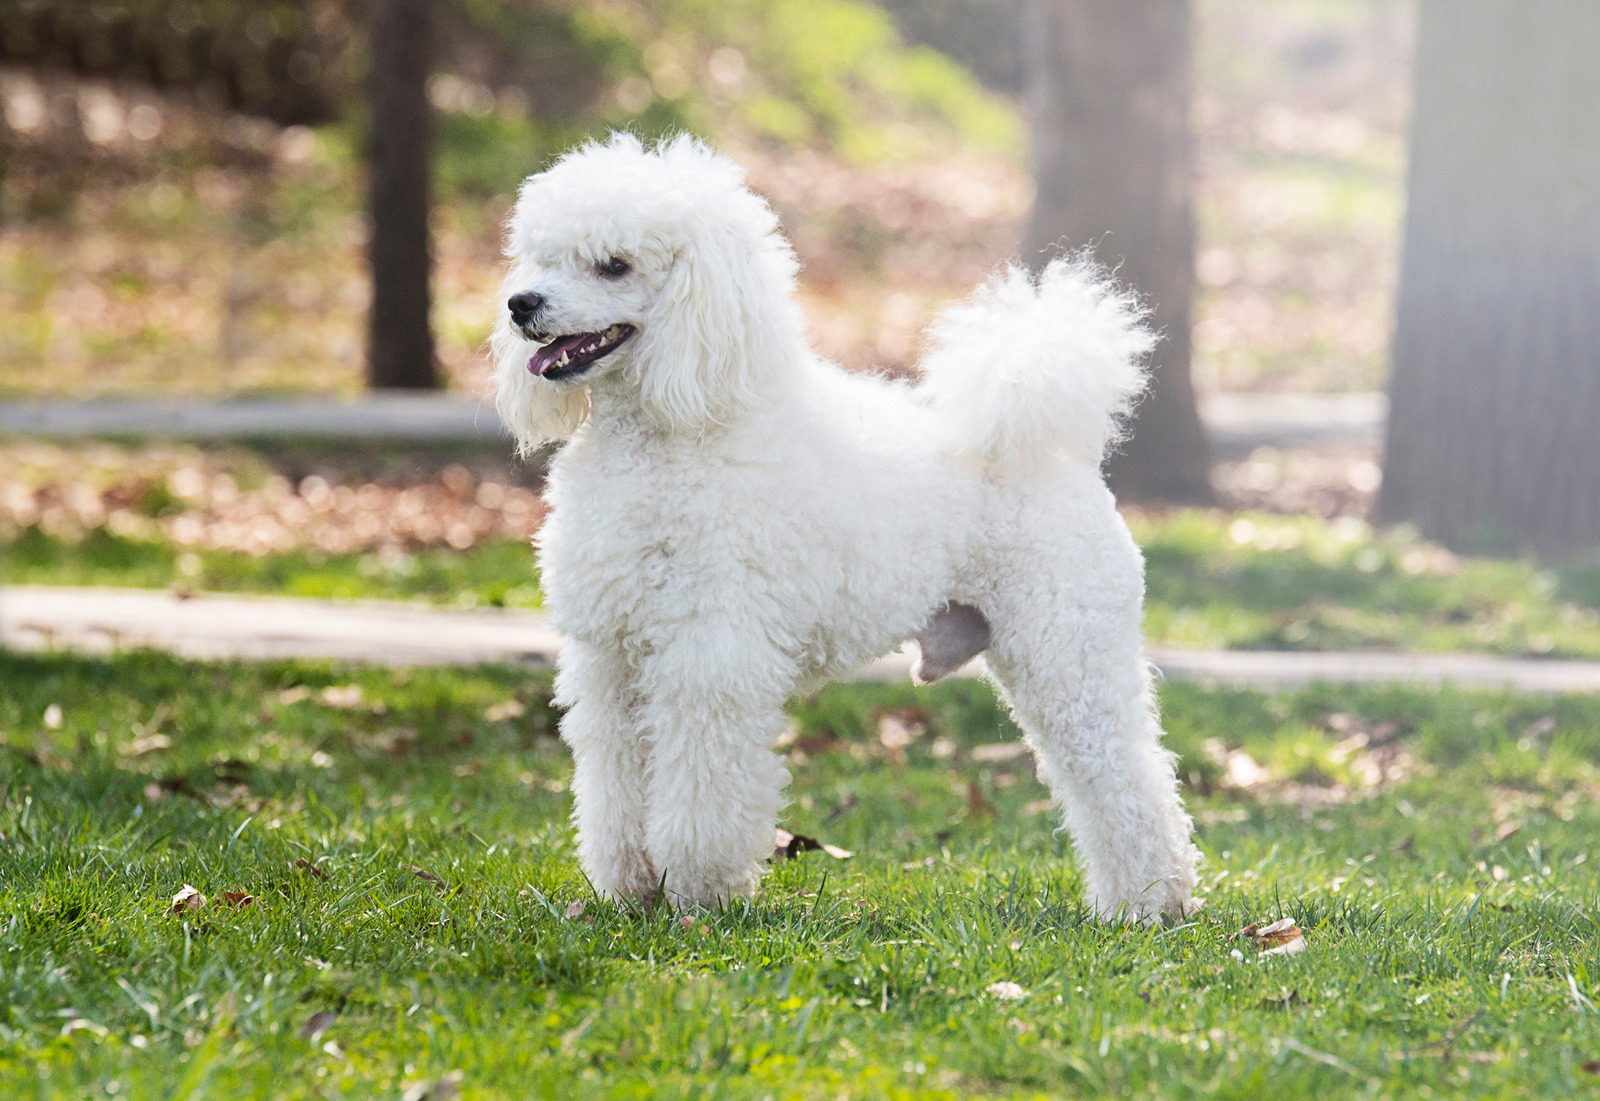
column 733, row 519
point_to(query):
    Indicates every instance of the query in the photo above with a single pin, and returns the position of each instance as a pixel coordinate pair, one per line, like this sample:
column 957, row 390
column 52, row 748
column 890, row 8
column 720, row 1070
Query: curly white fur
column 732, row 517
column 1071, row 369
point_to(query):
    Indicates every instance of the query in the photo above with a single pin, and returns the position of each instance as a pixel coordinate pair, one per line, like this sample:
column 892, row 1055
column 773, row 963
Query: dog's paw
column 691, row 893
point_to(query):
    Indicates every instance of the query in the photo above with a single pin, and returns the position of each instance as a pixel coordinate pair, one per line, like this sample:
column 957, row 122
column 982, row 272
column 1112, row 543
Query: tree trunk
column 1493, row 442
column 5, row 163
column 1109, row 93
column 400, row 342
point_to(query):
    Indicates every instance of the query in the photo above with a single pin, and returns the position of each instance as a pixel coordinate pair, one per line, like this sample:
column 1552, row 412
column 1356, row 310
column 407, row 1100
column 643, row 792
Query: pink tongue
column 546, row 357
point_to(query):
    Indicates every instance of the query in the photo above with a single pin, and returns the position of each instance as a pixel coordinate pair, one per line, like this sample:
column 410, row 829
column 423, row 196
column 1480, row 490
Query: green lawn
column 412, row 874
column 1256, row 581
column 499, row 574
column 1216, row 581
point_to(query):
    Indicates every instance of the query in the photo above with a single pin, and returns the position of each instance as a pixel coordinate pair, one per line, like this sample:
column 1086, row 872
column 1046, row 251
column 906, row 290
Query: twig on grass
column 1447, row 1041
column 1321, row 1056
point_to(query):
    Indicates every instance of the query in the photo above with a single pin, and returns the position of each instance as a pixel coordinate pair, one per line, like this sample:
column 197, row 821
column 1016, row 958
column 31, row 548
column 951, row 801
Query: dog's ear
column 724, row 318
column 536, row 411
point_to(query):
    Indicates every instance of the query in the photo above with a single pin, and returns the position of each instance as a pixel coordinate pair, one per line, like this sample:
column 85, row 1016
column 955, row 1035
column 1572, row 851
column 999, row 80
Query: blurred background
column 1369, row 230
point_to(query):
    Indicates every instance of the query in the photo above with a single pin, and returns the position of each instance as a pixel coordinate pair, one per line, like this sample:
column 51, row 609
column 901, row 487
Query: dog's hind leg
column 601, row 727
column 1079, row 687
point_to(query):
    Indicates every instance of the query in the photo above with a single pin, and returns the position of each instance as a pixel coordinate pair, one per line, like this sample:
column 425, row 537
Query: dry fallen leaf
column 500, row 712
column 318, row 1024
column 344, row 697
column 239, row 900
column 1240, row 770
column 147, row 744
column 897, row 730
column 297, row 694
column 978, row 805
column 814, row 745
column 575, row 909
column 187, row 900
column 441, row 1090
column 787, row 846
column 1006, row 991
column 1278, row 938
column 1506, row 831
column 306, row 865
column 423, row 873
column 998, row 751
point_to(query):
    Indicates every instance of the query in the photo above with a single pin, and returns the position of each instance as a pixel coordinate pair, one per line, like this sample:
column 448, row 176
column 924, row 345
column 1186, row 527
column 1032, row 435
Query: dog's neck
column 618, row 414
column 615, row 410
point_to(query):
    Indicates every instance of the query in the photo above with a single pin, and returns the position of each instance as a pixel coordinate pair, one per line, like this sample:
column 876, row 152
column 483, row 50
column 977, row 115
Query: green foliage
column 832, row 74
column 539, row 77
column 1431, row 937
column 835, row 72
column 482, row 156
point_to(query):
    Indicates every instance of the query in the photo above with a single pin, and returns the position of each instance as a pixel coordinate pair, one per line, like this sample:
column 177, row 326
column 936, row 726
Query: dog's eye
column 614, row 268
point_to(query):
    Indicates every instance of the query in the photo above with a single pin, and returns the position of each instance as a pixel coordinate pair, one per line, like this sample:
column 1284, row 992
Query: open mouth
column 570, row 355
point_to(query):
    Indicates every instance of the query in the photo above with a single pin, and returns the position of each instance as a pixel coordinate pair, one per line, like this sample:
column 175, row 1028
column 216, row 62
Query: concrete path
column 397, row 416
column 1238, row 423
column 33, row 618
column 261, row 628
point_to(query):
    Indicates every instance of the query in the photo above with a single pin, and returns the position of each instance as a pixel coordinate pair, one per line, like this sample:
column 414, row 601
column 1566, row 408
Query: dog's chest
column 624, row 549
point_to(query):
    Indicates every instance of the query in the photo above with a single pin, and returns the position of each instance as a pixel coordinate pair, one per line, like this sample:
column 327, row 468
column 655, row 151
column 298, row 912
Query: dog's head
column 649, row 272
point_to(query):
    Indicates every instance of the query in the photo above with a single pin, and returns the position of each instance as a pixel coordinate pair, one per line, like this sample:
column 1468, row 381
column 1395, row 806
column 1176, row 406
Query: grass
column 1449, row 911
column 1219, row 581
column 494, row 574
column 1216, row 581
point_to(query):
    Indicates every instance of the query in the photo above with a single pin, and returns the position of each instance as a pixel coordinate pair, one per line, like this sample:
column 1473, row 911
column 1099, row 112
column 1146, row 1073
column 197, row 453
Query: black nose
column 523, row 306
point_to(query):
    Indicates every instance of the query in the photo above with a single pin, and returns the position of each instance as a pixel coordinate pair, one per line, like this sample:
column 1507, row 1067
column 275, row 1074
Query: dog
column 733, row 519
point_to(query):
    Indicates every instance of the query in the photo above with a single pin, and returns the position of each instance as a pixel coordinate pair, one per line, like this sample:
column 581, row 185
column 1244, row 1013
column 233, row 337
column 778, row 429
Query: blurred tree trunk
column 1109, row 90
column 1494, row 426
column 400, row 349
column 5, row 163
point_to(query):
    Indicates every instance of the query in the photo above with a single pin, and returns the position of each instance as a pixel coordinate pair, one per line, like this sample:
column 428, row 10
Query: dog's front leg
column 713, row 711
column 601, row 727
